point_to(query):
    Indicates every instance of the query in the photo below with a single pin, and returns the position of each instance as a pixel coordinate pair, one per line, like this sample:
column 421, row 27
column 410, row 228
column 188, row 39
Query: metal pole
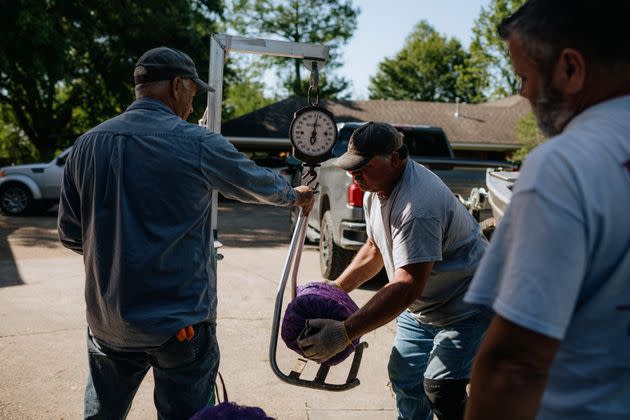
column 220, row 45
column 213, row 122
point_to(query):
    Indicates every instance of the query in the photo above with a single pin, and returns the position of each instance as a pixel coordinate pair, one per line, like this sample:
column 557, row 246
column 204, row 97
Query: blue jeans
column 423, row 351
column 184, row 374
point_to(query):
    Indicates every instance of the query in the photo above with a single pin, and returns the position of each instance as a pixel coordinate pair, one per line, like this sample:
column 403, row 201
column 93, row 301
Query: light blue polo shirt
column 559, row 262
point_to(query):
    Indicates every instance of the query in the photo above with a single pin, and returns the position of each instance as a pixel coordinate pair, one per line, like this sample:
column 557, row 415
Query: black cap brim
column 204, row 86
column 351, row 161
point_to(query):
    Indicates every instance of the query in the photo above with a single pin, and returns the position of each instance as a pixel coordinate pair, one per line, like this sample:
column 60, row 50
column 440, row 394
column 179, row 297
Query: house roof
column 489, row 125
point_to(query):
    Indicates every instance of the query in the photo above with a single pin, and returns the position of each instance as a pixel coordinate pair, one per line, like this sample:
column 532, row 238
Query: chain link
column 313, row 89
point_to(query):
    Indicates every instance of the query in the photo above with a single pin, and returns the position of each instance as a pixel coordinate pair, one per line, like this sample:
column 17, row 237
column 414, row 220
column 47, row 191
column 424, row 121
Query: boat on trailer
column 500, row 184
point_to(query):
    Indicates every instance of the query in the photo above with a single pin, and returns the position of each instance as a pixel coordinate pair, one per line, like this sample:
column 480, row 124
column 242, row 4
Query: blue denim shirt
column 136, row 202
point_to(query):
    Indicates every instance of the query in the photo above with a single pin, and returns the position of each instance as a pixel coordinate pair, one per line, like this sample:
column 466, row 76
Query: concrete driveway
column 42, row 329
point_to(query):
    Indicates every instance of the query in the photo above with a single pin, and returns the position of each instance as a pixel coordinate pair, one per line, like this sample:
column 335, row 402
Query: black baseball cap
column 369, row 140
column 165, row 63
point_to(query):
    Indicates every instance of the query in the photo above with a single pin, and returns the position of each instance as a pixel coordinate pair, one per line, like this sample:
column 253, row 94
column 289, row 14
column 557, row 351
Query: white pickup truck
column 24, row 188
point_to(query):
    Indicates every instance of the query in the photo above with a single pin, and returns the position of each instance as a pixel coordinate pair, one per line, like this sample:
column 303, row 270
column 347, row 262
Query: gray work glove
column 331, row 338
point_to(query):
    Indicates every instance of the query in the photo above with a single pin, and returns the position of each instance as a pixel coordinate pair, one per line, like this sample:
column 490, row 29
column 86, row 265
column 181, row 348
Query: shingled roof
column 482, row 126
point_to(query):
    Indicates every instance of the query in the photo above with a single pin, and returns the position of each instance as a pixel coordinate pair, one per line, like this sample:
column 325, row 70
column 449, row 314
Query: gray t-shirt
column 422, row 221
column 559, row 262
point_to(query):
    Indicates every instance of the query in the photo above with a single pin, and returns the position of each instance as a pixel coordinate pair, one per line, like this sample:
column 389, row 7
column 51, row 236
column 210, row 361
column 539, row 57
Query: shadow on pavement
column 9, row 275
column 239, row 225
column 39, row 231
column 253, row 225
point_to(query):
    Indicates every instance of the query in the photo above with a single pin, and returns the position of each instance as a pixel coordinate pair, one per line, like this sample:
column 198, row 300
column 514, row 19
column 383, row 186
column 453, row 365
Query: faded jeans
column 183, row 372
column 425, row 351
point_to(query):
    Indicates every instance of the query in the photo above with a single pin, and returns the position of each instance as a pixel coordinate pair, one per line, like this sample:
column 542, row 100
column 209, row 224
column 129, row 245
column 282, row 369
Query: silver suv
column 24, row 188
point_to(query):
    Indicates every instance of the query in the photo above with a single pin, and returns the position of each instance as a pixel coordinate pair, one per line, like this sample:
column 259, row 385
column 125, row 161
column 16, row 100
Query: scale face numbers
column 313, row 133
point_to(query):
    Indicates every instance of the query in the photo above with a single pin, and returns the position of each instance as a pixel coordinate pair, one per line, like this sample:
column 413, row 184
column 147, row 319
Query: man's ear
column 395, row 159
column 176, row 87
column 570, row 71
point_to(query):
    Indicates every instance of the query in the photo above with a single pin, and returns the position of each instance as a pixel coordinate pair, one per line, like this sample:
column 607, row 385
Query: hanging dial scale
column 313, row 131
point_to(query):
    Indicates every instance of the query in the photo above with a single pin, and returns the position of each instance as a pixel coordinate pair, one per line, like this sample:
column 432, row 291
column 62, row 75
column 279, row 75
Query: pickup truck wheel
column 15, row 200
column 332, row 258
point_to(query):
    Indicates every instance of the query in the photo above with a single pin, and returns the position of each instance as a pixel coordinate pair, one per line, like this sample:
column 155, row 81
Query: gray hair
column 153, row 89
column 595, row 28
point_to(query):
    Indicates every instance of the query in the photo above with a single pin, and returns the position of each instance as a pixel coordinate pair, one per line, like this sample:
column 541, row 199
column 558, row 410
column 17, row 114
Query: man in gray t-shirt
column 430, row 247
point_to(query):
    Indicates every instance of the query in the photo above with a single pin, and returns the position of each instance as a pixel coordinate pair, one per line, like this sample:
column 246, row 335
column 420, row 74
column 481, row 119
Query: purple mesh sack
column 312, row 301
column 230, row 411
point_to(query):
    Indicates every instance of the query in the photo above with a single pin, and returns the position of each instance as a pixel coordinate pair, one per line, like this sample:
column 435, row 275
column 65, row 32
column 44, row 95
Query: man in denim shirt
column 136, row 203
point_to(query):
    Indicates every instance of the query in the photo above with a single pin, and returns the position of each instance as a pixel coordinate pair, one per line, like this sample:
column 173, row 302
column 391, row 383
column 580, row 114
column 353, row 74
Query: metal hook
column 310, row 176
column 314, row 86
column 316, row 101
column 315, row 76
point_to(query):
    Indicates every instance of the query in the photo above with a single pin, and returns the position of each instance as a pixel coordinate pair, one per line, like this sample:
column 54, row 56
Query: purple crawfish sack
column 312, row 301
column 230, row 411
column 227, row 410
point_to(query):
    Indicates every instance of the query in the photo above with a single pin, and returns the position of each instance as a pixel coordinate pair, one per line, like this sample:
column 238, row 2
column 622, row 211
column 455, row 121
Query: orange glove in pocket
column 186, row 333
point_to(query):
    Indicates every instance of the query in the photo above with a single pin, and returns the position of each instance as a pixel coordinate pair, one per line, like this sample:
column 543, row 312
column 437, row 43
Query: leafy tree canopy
column 330, row 22
column 426, row 69
column 489, row 63
column 530, row 136
column 66, row 65
column 244, row 92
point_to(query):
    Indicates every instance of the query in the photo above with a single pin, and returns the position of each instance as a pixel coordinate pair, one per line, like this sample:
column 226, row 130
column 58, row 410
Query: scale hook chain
column 314, row 86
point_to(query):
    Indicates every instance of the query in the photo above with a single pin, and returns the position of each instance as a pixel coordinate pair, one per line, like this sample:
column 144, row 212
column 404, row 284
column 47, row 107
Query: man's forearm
column 509, row 374
column 385, row 305
column 390, row 301
column 501, row 390
column 365, row 265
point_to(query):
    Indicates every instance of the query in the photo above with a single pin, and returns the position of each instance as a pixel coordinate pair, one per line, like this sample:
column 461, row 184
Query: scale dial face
column 313, row 132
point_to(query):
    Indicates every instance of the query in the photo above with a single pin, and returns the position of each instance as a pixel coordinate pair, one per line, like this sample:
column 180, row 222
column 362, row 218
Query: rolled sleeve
column 69, row 214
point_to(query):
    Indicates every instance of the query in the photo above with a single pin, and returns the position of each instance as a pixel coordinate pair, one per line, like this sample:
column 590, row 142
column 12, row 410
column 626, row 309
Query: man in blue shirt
column 136, row 203
column 557, row 272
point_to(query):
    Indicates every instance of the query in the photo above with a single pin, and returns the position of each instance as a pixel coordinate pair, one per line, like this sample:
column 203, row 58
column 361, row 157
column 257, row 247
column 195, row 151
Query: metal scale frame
column 314, row 58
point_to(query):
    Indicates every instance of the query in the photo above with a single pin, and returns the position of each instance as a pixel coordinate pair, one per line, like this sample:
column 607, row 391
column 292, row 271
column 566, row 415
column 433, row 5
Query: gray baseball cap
column 164, row 63
column 369, row 140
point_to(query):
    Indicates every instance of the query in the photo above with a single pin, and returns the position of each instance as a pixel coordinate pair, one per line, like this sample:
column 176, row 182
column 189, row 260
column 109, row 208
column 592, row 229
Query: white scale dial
column 313, row 133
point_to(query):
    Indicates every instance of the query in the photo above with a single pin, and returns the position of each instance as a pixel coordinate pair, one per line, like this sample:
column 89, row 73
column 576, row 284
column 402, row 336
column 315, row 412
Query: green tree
column 244, row 92
column 530, row 136
column 330, row 22
column 488, row 66
column 15, row 147
column 66, row 65
column 426, row 69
